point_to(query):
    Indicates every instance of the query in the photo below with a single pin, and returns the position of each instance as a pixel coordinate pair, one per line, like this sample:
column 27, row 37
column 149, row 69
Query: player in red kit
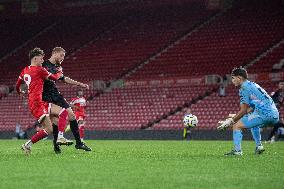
column 78, row 105
column 33, row 76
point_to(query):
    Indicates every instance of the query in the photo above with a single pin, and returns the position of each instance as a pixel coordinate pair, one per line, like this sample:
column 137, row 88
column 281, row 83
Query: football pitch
column 141, row 164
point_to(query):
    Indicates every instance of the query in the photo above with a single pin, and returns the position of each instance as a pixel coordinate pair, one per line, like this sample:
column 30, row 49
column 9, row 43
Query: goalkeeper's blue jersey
column 257, row 98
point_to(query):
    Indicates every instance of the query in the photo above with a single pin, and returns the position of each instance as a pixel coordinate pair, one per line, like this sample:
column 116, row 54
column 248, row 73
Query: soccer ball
column 190, row 120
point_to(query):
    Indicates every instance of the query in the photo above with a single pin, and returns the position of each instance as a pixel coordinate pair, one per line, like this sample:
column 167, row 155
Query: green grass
column 141, row 164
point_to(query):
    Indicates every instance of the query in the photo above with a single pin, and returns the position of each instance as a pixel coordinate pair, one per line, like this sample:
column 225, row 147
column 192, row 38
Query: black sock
column 274, row 131
column 55, row 133
column 75, row 130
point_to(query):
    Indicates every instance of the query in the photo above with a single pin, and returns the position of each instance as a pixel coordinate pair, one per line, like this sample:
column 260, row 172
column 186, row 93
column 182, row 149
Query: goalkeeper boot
column 82, row 146
column 234, row 153
column 259, row 149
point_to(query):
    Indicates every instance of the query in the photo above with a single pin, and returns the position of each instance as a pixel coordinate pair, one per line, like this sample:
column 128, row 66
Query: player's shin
column 184, row 133
column 62, row 122
column 75, row 130
column 82, row 131
column 55, row 132
column 256, row 135
column 237, row 138
column 37, row 137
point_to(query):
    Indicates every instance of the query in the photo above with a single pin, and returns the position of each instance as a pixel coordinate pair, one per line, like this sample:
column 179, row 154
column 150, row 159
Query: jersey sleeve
column 60, row 69
column 47, row 75
column 72, row 101
column 19, row 82
column 244, row 97
column 44, row 73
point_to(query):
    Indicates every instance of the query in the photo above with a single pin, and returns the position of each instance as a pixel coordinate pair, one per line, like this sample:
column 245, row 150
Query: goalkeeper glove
column 225, row 124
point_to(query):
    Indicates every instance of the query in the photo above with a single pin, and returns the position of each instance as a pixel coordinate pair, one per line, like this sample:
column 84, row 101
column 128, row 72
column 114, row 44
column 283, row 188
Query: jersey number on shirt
column 27, row 79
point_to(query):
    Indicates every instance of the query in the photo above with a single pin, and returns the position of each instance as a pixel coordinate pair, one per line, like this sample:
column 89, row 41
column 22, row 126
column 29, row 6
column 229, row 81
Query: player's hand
column 60, row 73
column 85, row 86
column 225, row 124
column 231, row 115
column 22, row 94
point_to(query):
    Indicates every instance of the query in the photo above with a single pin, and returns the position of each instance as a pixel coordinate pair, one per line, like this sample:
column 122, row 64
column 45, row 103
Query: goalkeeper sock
column 255, row 131
column 237, row 137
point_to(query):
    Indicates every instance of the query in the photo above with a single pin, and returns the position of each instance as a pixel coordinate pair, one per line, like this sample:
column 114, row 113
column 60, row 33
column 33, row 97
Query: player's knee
column 54, row 120
column 238, row 126
column 63, row 113
column 48, row 129
column 71, row 115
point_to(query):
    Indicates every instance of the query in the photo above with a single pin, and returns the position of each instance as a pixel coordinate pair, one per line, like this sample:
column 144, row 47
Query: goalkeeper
column 263, row 111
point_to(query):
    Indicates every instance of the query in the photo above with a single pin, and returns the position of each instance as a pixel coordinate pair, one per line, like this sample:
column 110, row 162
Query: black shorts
column 58, row 99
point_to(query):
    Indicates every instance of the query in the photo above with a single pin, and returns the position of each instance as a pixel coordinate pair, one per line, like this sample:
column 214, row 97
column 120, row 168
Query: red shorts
column 40, row 109
column 79, row 116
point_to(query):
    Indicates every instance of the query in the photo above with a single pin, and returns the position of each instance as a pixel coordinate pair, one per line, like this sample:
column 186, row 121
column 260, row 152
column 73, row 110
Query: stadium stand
column 107, row 47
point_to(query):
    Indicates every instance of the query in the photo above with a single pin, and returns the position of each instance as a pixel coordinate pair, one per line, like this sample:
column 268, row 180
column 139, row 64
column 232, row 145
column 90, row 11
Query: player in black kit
column 278, row 98
column 51, row 94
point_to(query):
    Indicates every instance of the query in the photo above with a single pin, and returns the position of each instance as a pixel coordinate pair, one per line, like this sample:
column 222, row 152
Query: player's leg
column 62, row 114
column 81, row 129
column 47, row 128
column 56, row 147
column 60, row 101
column 271, row 137
column 75, row 130
column 237, row 138
column 74, row 125
column 259, row 149
column 249, row 121
column 184, row 133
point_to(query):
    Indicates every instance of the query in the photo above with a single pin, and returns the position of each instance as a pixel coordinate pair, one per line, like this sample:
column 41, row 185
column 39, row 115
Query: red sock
column 62, row 120
column 39, row 135
column 81, row 131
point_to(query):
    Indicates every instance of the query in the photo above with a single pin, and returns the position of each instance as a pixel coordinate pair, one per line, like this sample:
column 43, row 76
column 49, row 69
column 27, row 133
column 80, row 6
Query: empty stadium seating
column 233, row 39
column 138, row 38
column 109, row 46
column 68, row 32
column 14, row 32
column 265, row 64
column 212, row 109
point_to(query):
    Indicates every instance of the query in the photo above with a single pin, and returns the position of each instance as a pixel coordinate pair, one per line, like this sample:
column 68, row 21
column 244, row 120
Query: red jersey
column 80, row 104
column 34, row 77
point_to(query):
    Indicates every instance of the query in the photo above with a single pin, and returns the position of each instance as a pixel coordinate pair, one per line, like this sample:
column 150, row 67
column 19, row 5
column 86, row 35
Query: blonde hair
column 58, row 49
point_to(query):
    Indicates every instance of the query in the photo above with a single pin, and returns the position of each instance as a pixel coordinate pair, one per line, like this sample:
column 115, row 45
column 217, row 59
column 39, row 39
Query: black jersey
column 278, row 98
column 49, row 87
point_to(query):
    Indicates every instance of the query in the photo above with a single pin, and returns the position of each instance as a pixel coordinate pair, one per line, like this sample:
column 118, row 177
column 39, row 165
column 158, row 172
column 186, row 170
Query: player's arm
column 54, row 77
column 70, row 81
column 244, row 109
column 18, row 84
column 47, row 75
column 250, row 110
